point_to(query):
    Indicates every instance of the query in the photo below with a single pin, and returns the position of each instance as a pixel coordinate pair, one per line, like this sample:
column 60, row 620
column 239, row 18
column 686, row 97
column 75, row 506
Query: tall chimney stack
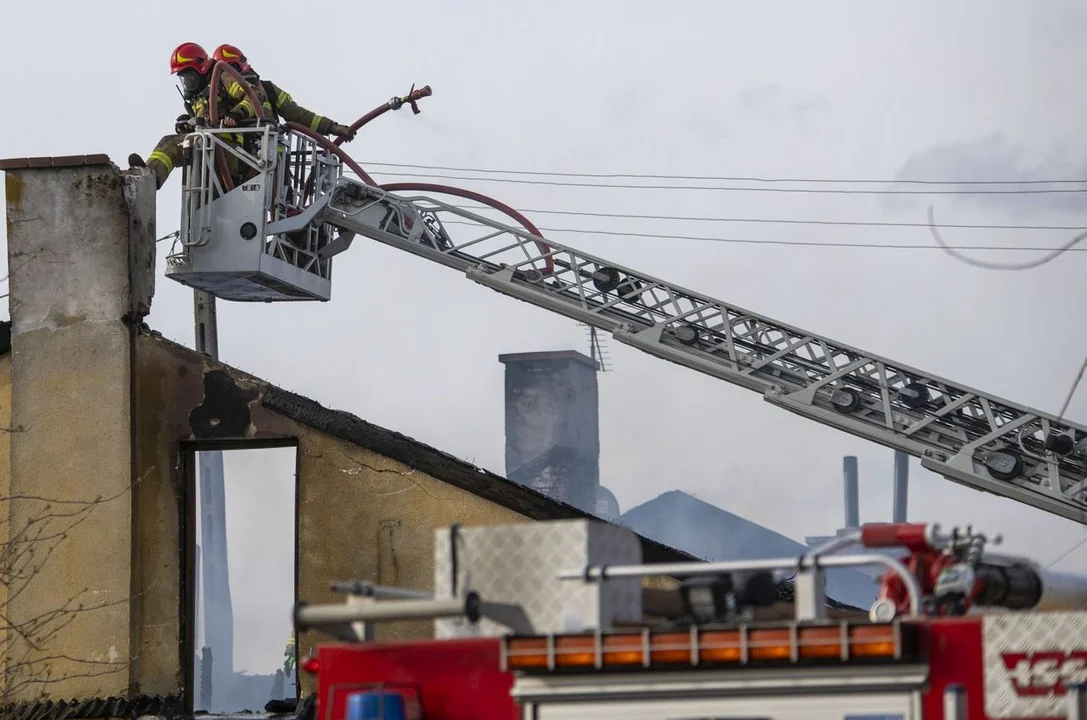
column 553, row 425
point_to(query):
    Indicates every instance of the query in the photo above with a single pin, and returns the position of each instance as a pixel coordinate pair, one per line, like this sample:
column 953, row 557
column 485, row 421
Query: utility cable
column 1068, row 552
column 782, row 221
column 827, row 191
column 800, row 243
column 723, row 178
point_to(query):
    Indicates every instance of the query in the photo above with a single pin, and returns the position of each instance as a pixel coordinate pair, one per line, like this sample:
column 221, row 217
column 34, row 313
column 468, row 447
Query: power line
column 748, row 241
column 784, row 221
column 1054, row 253
column 1068, row 552
column 822, row 191
column 722, row 178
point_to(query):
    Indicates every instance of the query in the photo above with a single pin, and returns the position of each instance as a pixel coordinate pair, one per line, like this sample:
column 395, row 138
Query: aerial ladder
column 269, row 233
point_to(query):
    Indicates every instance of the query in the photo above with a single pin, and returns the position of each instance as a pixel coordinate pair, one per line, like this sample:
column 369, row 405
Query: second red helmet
column 232, row 55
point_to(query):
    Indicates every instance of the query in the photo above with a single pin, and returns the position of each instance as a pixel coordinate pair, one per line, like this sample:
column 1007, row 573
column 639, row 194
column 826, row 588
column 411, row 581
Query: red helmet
column 190, row 55
column 232, row 55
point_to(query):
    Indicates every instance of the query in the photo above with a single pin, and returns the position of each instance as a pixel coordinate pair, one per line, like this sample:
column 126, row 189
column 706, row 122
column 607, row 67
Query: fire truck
column 545, row 621
column 267, row 228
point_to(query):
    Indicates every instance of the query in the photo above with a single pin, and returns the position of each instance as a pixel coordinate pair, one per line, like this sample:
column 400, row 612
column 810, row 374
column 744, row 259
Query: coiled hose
column 214, row 119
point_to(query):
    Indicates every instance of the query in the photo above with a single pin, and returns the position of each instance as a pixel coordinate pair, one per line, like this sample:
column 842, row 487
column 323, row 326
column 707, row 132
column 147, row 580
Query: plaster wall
column 71, row 238
column 5, row 495
column 361, row 515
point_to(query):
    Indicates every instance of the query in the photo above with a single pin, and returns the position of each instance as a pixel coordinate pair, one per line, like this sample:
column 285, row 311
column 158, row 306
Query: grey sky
column 988, row 88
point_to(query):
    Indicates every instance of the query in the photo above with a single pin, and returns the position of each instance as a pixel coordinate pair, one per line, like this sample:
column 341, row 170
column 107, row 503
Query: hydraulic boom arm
column 972, row 438
column 981, row 441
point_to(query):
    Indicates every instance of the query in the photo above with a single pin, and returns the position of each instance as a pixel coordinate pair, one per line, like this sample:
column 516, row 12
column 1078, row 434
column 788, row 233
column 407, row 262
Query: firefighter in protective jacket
column 192, row 65
column 288, row 655
column 275, row 101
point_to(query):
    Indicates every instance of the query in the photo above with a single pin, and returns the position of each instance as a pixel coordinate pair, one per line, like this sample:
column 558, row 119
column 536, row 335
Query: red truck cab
column 459, row 679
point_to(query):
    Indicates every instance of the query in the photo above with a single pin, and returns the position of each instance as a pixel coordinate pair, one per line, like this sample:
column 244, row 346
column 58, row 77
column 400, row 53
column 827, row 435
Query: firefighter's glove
column 344, row 132
column 183, row 124
column 231, row 120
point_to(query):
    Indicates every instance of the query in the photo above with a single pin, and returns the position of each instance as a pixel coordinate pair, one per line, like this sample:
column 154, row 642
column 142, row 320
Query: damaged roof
column 445, row 467
column 436, row 463
column 440, row 465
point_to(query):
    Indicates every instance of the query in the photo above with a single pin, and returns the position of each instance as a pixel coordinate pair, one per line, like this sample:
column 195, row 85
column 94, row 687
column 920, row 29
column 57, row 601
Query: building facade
column 104, row 419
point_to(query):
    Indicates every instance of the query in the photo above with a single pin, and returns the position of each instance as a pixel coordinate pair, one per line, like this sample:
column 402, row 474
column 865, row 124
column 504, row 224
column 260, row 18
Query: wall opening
column 243, row 578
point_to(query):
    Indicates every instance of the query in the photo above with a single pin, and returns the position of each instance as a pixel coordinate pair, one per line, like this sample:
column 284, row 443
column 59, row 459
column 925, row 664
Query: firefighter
column 190, row 62
column 275, row 101
column 288, row 656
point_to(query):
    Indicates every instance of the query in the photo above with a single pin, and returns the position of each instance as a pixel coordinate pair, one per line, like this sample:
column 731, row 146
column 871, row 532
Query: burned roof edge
column 441, row 465
column 476, row 480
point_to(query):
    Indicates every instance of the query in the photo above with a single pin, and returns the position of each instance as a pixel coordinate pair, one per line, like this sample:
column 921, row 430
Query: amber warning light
column 837, row 643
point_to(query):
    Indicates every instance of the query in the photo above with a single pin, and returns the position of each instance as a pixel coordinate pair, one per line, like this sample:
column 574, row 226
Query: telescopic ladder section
column 978, row 440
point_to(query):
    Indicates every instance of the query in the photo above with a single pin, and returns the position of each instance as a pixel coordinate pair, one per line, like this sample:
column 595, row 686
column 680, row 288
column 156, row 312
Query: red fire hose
column 491, row 202
column 213, row 92
column 333, row 147
column 213, row 114
column 411, row 99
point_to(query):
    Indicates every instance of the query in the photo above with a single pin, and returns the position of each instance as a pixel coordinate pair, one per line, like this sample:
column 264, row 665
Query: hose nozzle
column 413, row 97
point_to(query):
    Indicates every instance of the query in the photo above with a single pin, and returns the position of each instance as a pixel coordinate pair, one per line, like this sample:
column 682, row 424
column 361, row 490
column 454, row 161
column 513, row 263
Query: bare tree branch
column 33, row 656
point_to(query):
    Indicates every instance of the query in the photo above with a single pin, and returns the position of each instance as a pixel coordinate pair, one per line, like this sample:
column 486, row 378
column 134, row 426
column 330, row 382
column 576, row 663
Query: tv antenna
column 597, row 349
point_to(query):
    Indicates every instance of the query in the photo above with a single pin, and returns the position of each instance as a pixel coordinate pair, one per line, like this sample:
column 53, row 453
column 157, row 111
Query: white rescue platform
column 225, row 245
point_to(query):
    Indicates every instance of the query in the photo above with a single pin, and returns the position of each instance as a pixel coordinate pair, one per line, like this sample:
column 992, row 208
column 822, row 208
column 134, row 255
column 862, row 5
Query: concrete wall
column 360, row 515
column 71, row 235
column 553, row 426
column 5, row 500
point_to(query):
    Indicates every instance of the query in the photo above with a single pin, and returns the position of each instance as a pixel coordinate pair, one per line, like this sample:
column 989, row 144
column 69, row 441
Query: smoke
column 996, row 157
